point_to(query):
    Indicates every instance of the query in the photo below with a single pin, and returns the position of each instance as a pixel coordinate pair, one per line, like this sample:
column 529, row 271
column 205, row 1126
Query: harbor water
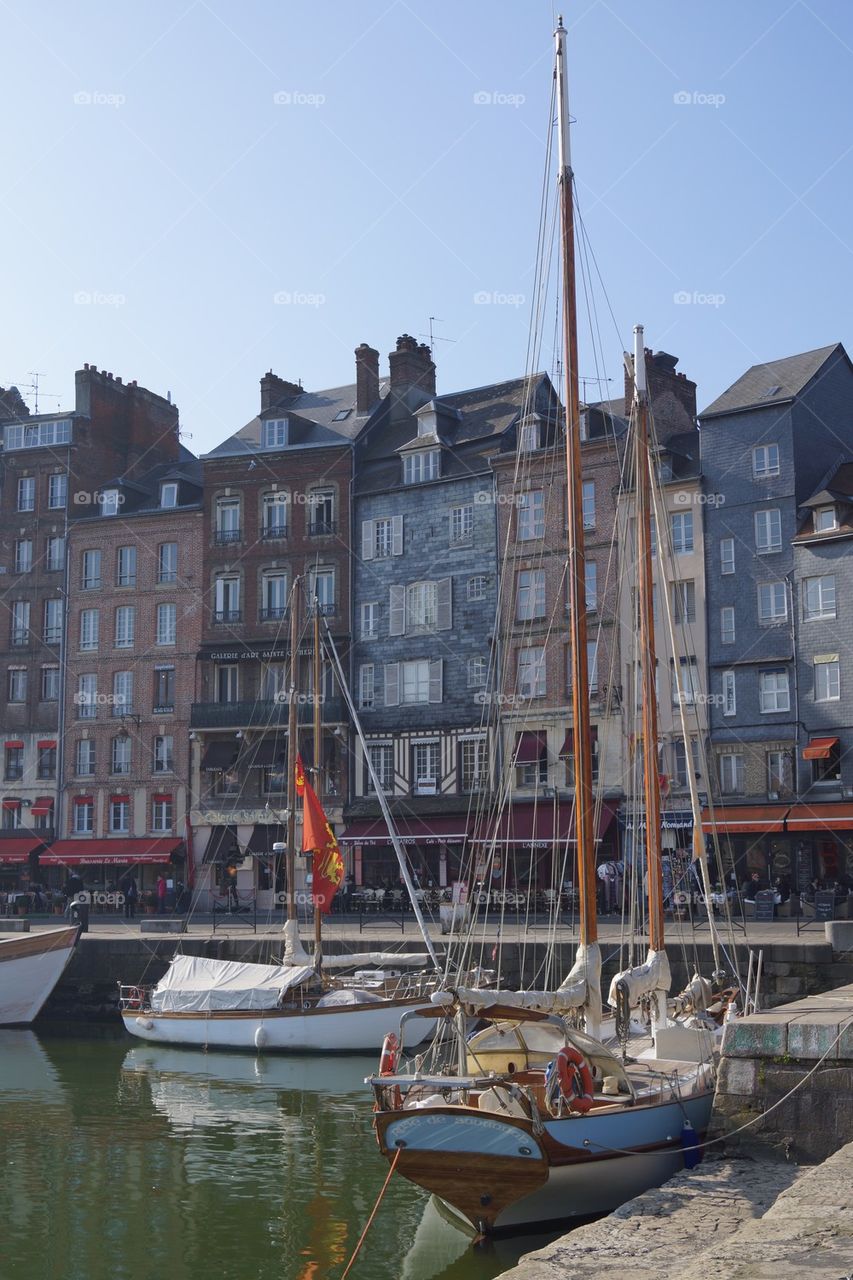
column 126, row 1161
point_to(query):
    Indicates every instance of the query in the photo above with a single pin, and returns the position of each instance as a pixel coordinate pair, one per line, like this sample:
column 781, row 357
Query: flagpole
column 318, row 915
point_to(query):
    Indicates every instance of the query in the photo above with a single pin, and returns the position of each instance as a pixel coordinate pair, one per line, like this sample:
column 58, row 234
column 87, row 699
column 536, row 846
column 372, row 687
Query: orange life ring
column 388, row 1060
column 575, row 1077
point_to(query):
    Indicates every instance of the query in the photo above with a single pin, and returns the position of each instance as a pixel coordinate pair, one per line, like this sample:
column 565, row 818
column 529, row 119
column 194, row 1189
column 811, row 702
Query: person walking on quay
column 131, row 893
column 161, row 894
column 231, row 888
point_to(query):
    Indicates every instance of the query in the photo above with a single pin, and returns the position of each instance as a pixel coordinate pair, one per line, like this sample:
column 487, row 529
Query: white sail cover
column 474, row 999
column 195, row 984
column 397, row 959
column 643, row 979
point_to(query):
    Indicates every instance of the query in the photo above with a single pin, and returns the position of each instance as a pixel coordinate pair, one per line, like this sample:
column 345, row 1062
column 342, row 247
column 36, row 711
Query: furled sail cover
column 195, row 984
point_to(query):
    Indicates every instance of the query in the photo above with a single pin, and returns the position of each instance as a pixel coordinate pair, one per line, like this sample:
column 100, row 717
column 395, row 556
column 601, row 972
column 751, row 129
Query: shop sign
column 236, row 817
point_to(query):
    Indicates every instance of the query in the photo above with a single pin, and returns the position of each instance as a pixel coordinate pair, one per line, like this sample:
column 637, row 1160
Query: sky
column 194, row 192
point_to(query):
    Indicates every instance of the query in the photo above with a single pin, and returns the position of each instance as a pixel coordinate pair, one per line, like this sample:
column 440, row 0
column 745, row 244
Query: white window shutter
column 444, row 610
column 397, row 611
column 367, row 539
column 392, row 684
column 435, row 683
column 397, row 535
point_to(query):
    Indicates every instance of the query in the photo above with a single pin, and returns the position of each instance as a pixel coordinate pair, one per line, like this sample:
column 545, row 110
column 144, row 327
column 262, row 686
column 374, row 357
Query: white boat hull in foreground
column 30, row 967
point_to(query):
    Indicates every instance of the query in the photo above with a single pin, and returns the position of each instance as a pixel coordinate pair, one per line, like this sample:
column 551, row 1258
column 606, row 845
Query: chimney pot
column 411, row 365
column 366, row 377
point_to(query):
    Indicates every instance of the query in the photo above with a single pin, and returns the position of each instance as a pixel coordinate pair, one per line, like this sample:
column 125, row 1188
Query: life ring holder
column 575, row 1076
column 133, row 999
column 388, row 1061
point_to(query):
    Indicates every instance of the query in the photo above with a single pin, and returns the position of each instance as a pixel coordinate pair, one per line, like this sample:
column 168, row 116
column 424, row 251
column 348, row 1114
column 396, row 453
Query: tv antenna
column 34, row 387
column 434, row 337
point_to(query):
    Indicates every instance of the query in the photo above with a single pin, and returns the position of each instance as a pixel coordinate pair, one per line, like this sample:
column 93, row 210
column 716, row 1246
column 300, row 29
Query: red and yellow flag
column 300, row 776
column 318, row 838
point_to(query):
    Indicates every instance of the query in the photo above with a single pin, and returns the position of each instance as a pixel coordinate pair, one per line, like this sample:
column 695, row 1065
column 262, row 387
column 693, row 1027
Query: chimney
column 672, row 395
column 411, row 366
column 366, row 377
column 275, row 390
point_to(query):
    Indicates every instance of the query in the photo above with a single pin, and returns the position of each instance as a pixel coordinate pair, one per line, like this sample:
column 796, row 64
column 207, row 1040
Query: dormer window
column 825, row 518
column 420, row 467
column 530, row 436
column 275, row 433
column 169, row 494
column 109, row 500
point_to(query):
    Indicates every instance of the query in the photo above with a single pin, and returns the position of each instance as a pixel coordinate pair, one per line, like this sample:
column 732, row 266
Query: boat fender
column 575, row 1076
column 690, row 1145
column 145, row 1023
column 261, row 1038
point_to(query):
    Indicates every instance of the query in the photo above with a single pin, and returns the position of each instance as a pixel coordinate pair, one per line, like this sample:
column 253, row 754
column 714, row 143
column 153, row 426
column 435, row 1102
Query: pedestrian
column 231, row 887
column 131, row 893
column 161, row 894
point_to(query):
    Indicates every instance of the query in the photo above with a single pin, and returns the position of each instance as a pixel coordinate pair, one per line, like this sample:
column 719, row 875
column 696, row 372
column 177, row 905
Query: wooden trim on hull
column 478, row 1187
column 37, row 944
column 308, row 1011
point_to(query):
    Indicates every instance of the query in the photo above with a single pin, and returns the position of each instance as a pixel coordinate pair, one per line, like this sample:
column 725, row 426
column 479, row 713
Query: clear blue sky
column 155, row 198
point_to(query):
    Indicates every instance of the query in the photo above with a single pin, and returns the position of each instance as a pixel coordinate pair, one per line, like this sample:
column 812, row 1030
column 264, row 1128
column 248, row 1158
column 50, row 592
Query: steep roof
column 313, row 415
column 776, row 382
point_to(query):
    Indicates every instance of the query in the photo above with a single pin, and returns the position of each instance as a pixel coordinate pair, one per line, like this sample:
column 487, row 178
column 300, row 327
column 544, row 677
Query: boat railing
column 133, row 998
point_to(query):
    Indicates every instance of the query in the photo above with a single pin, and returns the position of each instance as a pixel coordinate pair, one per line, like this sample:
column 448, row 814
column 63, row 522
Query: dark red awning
column 819, row 749
column 745, row 819
column 820, row 817
column 441, row 829
column 111, row 853
column 538, row 826
column 41, row 806
column 18, row 850
column 530, row 747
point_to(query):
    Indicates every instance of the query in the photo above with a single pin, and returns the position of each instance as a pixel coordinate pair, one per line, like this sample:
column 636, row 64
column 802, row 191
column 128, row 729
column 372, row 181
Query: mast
column 648, row 661
column 292, row 731
column 584, row 805
column 318, row 733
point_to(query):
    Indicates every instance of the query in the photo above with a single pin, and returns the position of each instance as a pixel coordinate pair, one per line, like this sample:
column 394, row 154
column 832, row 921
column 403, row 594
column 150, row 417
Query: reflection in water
column 131, row 1165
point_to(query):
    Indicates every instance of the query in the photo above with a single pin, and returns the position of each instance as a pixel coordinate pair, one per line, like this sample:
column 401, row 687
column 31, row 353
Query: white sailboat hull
column 335, row 1029
column 30, row 967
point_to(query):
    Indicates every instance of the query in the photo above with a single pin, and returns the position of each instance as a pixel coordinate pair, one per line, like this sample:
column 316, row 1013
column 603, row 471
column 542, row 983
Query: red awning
column 111, row 853
column 539, row 826
column 18, row 850
column 14, row 742
column 745, row 819
column 41, row 806
column 11, row 804
column 45, row 743
column 438, row 830
column 819, row 749
column 530, row 747
column 821, row 817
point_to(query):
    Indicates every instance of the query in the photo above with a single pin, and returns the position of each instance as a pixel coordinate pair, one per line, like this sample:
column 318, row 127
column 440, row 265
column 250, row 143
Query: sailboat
column 294, row 1006
column 538, row 1121
column 30, row 967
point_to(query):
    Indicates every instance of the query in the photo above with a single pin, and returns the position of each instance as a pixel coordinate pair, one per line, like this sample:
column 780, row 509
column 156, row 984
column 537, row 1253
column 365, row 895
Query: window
column 591, row 586
column 120, row 754
column 529, row 436
column 169, row 494
column 274, row 596
column 55, row 555
column 227, row 599
column 23, row 555
column 14, row 757
column 426, row 756
column 779, row 771
column 16, row 689
column 473, row 764
column 765, row 461
column 167, row 624
column 477, row 672
column 274, row 524
column 827, row 678
column 732, row 774
column 86, row 697
column 109, row 500
column 370, row 620
column 819, row 597
column 122, row 693
column 125, row 627
column 773, row 694
column 27, row 493
column 321, row 512
column 681, row 532
column 20, row 622
column 321, row 586
column 84, row 816
column 772, row 602
column 57, row 490
column 274, row 684
column 421, row 606
column 727, row 555
column 227, row 520
column 164, row 754
column 729, row 698
column 382, row 760
column 91, row 576
column 11, row 815
column 381, row 538
column 476, row 587
column 727, row 625
column 589, row 504
column 90, row 626
column 84, row 757
column 530, row 594
column 420, row 467
column 32, row 435
column 52, row 622
column 685, row 681
column 592, row 665
column 167, row 562
column 46, row 763
column 684, row 602
column 126, row 567
column 828, row 768
column 119, row 814
column 415, row 682
column 275, row 433
column 49, row 684
column 366, row 688
column 531, row 672
column 825, row 518
column 161, row 813
column 227, row 683
column 164, row 689
column 461, row 525
column 530, row 515
column 679, row 761
column 768, row 531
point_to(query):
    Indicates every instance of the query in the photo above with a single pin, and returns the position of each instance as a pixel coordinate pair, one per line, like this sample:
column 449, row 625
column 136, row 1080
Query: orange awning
column 821, row 817
column 745, row 819
column 819, row 749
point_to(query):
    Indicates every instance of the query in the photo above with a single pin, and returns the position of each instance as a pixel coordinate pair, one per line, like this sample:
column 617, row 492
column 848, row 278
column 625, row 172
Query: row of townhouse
column 149, row 595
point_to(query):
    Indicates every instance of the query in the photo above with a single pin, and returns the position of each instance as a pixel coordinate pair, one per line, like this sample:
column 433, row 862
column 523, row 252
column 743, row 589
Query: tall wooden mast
column 292, row 752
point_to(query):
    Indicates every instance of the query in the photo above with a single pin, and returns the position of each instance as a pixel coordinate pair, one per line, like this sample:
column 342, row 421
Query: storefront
column 102, row 865
column 753, row 838
column 248, row 848
column 820, row 837
column 434, row 848
column 19, row 862
column 532, row 845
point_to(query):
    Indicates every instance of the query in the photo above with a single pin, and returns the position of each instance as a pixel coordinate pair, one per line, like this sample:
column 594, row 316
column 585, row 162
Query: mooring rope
column 373, row 1212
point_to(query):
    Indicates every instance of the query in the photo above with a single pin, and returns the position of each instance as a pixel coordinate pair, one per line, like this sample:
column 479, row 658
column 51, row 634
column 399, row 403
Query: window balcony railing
column 324, row 609
column 275, row 614
column 319, row 528
column 162, row 708
column 53, row 635
column 122, row 710
column 45, row 775
column 20, row 639
column 90, row 584
column 13, row 774
column 228, row 615
column 274, row 531
column 222, row 536
column 264, row 714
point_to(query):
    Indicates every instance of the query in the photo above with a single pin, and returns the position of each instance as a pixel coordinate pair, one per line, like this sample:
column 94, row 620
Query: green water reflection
column 123, row 1161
